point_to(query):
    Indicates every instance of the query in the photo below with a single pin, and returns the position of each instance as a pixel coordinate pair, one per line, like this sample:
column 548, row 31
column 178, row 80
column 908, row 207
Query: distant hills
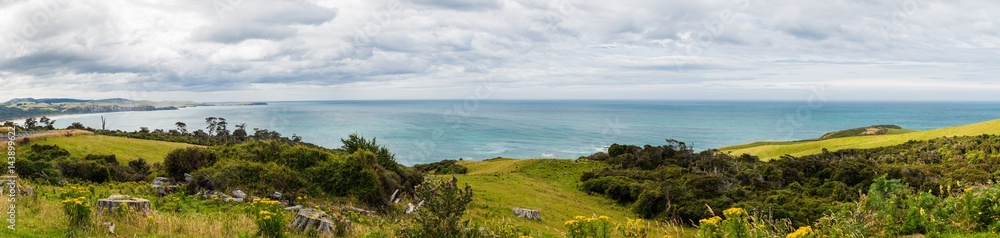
column 31, row 107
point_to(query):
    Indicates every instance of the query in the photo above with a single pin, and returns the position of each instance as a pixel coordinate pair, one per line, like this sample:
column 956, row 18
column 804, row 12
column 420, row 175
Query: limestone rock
column 527, row 214
column 115, row 203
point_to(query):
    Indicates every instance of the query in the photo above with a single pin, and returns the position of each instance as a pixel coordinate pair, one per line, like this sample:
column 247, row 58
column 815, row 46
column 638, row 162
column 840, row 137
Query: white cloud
column 227, row 50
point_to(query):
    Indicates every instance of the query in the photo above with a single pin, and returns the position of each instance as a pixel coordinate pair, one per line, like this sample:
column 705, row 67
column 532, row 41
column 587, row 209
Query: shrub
column 735, row 224
column 442, row 167
column 187, row 160
column 299, row 157
column 710, row 227
column 355, row 142
column 650, row 203
column 353, row 176
column 581, row 226
column 252, row 177
column 444, row 204
column 633, row 228
column 84, row 170
column 78, row 211
column 76, row 207
column 46, row 152
column 268, row 217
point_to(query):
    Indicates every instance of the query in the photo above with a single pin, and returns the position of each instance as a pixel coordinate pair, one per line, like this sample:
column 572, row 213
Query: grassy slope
column 125, row 148
column 547, row 185
column 770, row 150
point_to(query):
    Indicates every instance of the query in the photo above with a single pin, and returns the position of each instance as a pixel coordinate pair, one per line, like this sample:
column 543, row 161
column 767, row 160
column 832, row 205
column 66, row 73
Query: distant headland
column 31, row 107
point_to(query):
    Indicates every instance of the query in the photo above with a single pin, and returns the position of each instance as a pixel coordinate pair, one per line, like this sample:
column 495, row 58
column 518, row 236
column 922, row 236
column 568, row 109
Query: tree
column 182, row 127
column 30, row 123
column 221, row 129
column 240, row 134
column 213, row 123
column 47, row 122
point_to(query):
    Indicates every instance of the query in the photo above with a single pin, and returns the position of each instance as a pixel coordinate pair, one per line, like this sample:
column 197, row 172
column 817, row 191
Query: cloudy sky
column 251, row 50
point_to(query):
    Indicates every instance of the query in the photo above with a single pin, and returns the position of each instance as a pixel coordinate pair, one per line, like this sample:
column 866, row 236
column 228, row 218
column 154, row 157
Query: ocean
column 432, row 130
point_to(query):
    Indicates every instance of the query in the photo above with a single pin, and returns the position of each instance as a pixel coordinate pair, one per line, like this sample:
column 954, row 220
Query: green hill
column 547, row 185
column 124, row 148
column 771, row 150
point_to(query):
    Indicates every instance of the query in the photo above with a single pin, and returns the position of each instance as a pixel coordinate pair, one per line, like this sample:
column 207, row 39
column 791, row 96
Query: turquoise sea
column 427, row 131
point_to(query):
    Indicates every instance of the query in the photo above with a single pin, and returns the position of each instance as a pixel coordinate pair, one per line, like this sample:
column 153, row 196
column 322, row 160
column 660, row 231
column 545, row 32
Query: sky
column 278, row 50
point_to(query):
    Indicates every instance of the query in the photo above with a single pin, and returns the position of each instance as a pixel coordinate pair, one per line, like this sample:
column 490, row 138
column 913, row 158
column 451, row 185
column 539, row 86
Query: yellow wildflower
column 801, row 232
column 604, row 218
column 922, row 212
column 79, row 203
column 710, row 221
column 569, row 223
column 579, row 217
column 734, row 212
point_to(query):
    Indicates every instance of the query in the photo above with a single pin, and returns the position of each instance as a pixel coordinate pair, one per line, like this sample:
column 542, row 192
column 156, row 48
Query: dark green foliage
column 104, row 159
column 355, row 176
column 355, row 142
column 187, row 160
column 442, row 167
column 84, row 170
column 301, row 157
column 46, row 152
column 37, row 162
column 650, row 203
column 252, row 177
column 801, row 189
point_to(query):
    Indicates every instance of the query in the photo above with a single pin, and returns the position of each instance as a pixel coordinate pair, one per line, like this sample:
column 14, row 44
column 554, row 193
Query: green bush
column 354, row 175
column 442, row 167
column 187, row 160
column 85, row 170
column 252, row 177
column 300, row 157
column 269, row 218
column 444, row 204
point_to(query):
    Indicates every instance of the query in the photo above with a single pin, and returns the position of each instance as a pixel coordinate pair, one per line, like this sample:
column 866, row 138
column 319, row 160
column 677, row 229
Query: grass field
column 125, row 148
column 771, row 150
column 547, row 185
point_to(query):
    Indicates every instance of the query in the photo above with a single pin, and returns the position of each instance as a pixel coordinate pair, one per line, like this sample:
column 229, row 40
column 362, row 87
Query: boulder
column 308, row 218
column 161, row 181
column 527, row 214
column 115, row 203
column 239, row 194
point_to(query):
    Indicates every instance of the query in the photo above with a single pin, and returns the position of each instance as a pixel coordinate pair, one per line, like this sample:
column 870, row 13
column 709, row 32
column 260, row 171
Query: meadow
column 499, row 185
column 838, row 190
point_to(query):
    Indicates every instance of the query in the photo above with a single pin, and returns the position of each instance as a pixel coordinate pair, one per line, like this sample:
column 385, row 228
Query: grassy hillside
column 547, row 185
column 771, row 150
column 125, row 148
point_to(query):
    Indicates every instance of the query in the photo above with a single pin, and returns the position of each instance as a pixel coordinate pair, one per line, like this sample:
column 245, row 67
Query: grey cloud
column 526, row 45
column 464, row 5
column 235, row 33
